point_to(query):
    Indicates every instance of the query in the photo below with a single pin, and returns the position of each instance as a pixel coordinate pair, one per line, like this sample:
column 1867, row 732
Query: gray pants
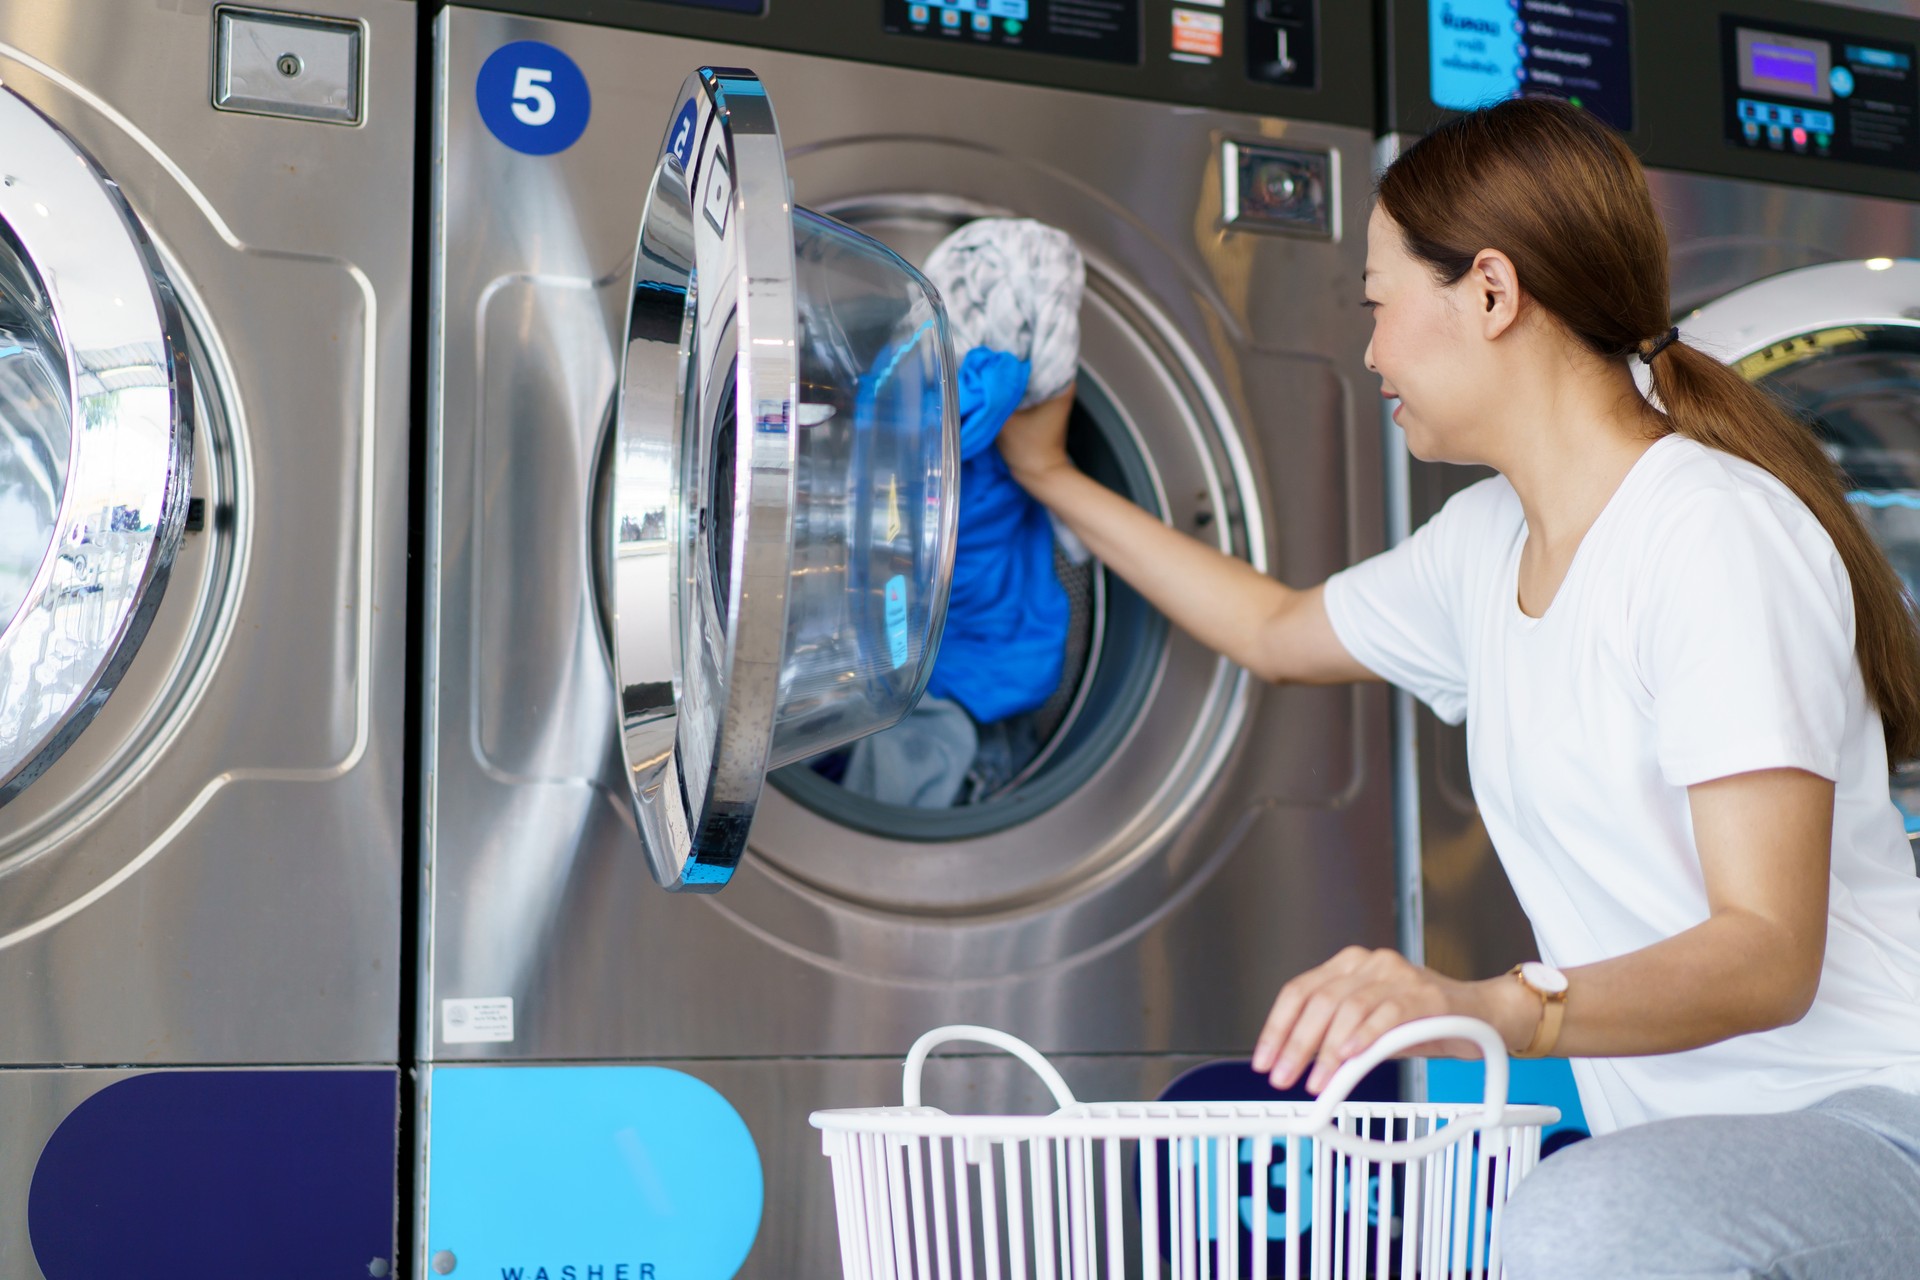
column 1828, row 1193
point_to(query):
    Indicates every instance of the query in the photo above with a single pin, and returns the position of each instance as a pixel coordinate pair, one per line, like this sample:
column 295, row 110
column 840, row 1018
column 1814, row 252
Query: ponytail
column 1565, row 199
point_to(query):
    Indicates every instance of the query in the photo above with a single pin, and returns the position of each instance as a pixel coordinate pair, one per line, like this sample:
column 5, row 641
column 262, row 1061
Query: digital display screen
column 1823, row 94
column 1784, row 65
column 1483, row 51
column 1101, row 30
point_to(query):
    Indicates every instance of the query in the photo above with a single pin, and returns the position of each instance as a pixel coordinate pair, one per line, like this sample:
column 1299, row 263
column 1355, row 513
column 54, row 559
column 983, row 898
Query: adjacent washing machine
column 663, row 561
column 205, row 249
column 1782, row 144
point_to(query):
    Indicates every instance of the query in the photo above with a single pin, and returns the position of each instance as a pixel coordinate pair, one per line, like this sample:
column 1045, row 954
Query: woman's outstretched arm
column 1274, row 631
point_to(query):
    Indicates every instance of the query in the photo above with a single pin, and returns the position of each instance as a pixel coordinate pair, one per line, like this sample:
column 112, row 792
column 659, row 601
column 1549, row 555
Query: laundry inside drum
column 949, row 776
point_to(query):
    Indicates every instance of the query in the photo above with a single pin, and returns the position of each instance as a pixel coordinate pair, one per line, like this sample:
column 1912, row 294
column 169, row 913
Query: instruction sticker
column 1198, row 36
column 477, row 1021
column 897, row 620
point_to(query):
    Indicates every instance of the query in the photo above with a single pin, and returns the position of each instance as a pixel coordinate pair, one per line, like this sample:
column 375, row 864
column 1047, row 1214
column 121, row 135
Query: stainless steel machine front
column 203, row 457
column 1177, row 843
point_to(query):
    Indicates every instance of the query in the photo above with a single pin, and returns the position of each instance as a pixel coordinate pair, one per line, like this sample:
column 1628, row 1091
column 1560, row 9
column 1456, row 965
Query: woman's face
column 1425, row 349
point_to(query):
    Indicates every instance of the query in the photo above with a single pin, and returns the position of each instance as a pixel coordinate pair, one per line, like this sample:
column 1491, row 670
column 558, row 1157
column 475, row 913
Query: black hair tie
column 1660, row 344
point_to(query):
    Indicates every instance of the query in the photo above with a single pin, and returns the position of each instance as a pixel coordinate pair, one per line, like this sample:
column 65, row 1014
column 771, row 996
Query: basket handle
column 917, row 1057
column 1401, row 1038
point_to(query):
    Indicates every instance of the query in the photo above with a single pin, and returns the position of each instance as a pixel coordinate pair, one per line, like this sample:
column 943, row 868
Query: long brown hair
column 1563, row 197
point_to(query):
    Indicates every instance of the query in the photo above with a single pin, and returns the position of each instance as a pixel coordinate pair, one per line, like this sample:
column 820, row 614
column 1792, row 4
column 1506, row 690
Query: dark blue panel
column 184, row 1174
column 1237, row 1081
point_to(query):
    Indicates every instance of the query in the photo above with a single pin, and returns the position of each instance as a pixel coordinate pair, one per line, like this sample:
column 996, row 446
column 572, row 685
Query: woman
column 1684, row 667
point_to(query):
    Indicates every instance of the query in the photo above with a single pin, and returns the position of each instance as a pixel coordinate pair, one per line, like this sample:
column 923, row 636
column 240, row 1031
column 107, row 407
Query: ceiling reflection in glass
column 36, row 434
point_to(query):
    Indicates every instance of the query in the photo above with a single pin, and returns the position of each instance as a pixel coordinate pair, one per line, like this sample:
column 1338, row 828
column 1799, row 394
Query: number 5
column 530, row 87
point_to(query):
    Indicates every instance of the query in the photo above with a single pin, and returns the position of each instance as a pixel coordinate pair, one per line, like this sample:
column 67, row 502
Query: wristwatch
column 1550, row 985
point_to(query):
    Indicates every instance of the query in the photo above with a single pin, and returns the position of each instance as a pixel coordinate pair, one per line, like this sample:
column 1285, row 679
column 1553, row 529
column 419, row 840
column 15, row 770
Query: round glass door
column 95, row 432
column 780, row 536
column 1840, row 345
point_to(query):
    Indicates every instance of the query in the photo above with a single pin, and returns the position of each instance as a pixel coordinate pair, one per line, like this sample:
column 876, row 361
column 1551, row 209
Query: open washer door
column 1840, row 344
column 780, row 532
column 95, row 434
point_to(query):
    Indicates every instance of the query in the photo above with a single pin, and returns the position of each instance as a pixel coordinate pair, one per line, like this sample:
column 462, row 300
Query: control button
column 1012, row 26
column 983, row 23
column 1799, row 139
column 275, row 64
column 1840, row 80
column 918, row 15
column 1776, row 135
column 1822, row 140
column 950, row 18
column 1752, row 131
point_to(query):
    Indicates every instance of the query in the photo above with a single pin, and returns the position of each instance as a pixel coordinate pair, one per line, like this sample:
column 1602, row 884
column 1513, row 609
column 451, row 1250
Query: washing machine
column 205, row 262
column 616, row 1078
column 1780, row 143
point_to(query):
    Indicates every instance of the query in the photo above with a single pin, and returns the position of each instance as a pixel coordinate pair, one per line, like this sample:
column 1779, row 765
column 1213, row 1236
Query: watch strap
column 1553, row 1008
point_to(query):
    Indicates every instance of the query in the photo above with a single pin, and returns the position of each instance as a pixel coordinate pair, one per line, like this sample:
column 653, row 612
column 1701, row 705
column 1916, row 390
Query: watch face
column 1543, row 977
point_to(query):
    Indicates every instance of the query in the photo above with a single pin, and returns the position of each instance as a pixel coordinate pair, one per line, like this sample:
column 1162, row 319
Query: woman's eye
column 1369, row 304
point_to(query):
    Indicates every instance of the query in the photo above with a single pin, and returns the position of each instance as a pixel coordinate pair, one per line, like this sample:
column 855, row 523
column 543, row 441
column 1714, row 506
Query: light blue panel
column 1475, row 52
column 1541, row 1081
column 588, row 1173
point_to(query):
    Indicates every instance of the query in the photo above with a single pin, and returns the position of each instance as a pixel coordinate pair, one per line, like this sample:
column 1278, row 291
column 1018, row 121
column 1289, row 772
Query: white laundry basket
column 1166, row 1190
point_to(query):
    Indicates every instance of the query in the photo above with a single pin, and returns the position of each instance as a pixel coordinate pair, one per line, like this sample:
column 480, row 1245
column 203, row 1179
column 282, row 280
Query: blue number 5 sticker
column 533, row 97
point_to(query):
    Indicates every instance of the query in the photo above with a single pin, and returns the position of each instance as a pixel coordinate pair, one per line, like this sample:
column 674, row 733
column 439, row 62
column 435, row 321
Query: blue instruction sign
column 1482, row 51
column 533, row 97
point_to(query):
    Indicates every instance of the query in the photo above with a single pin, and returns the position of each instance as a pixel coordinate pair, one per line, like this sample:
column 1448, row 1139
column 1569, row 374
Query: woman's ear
column 1496, row 289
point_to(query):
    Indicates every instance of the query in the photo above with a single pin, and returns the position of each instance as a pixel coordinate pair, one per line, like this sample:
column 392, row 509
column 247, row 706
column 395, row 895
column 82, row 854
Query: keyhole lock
column 289, row 65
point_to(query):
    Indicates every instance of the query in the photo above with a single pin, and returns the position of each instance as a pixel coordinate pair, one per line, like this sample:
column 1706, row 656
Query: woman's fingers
column 1292, row 999
column 1034, row 440
column 1346, row 1037
column 1309, row 1029
column 1335, row 1012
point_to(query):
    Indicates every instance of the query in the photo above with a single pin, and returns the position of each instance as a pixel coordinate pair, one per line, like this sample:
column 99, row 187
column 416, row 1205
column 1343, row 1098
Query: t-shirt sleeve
column 1746, row 643
column 1399, row 613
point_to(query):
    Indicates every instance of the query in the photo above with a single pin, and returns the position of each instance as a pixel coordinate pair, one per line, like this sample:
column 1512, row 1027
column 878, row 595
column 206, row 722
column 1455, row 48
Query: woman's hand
column 1034, row 442
column 1330, row 1014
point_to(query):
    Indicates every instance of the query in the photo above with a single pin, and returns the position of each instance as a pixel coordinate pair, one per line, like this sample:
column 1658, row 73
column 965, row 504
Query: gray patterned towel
column 1014, row 285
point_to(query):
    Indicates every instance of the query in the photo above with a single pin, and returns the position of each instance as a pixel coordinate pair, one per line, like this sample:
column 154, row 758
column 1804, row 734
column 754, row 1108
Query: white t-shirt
column 1704, row 628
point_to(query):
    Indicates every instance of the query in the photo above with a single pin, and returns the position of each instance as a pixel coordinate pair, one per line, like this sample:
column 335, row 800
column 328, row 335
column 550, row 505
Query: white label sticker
column 488, row 1018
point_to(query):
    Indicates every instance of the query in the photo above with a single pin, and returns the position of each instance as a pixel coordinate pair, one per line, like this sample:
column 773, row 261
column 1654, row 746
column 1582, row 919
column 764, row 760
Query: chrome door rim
column 1805, row 300
column 121, row 329
column 713, row 316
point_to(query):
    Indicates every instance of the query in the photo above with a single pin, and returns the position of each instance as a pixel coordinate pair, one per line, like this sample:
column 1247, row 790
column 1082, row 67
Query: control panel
column 1103, row 30
column 1306, row 60
column 1826, row 94
column 1808, row 93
